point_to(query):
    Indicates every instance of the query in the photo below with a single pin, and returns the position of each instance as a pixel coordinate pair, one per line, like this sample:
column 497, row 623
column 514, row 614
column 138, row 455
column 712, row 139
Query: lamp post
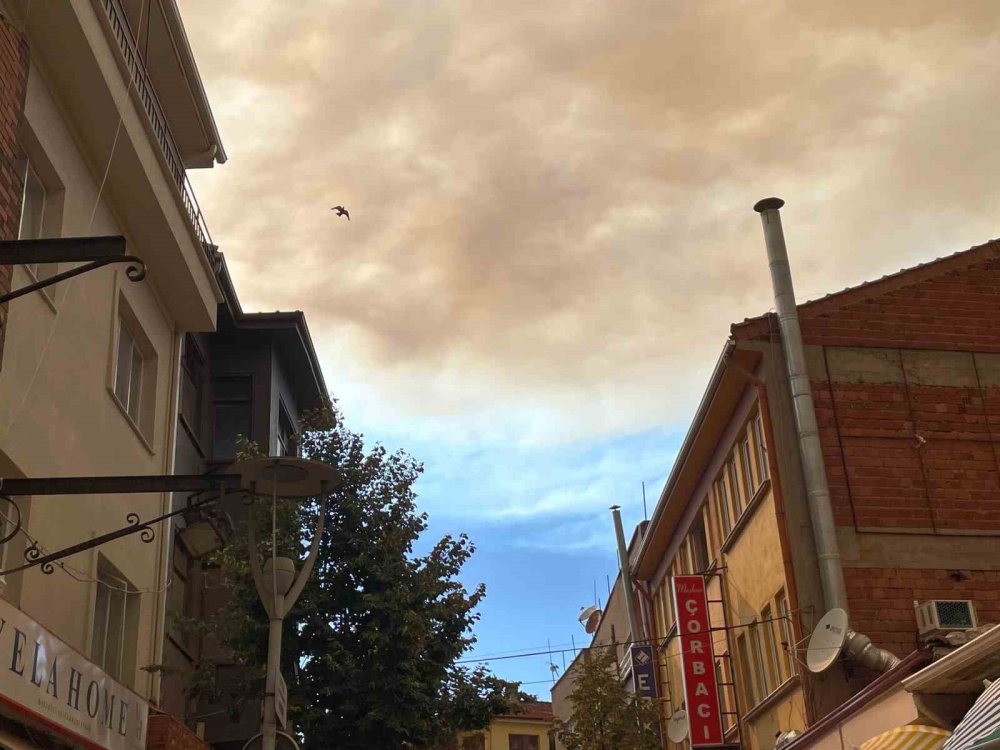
column 278, row 584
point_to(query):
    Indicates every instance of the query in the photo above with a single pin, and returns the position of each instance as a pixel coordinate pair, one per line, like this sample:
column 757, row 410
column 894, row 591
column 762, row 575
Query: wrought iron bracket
column 34, row 556
column 94, row 252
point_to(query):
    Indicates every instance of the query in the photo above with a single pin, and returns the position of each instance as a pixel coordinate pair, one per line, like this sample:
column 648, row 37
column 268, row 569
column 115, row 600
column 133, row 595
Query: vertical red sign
column 701, row 691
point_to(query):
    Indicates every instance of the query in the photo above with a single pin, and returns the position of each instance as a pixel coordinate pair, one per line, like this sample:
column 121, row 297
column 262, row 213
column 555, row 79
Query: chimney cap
column 767, row 204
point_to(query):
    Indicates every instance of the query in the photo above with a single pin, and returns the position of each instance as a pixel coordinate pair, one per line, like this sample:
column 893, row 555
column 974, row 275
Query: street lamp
column 278, row 584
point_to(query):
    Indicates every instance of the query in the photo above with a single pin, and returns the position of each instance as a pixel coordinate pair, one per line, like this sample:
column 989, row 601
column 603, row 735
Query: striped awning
column 982, row 720
column 908, row 737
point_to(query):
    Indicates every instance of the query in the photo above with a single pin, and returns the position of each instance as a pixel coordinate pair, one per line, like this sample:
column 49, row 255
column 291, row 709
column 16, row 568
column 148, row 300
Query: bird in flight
column 341, row 211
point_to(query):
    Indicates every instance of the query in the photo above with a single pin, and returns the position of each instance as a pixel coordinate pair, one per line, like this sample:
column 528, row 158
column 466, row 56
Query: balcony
column 146, row 92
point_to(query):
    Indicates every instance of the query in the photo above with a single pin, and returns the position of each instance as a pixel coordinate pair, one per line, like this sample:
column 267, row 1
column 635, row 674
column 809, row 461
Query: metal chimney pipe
column 626, row 568
column 831, row 571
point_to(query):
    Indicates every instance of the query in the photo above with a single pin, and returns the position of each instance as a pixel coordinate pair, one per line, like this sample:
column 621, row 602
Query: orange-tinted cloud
column 551, row 201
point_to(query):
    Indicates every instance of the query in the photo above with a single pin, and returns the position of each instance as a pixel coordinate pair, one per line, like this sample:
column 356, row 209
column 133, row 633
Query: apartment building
column 252, row 377
column 101, row 114
column 905, row 375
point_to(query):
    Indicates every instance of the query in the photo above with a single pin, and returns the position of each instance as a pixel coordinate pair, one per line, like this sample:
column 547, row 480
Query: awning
column 982, row 720
column 908, row 737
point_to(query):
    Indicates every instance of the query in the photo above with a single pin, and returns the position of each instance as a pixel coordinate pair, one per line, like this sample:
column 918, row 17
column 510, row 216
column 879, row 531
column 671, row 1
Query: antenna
column 827, row 640
column 677, row 726
column 607, row 579
column 645, row 514
column 589, row 617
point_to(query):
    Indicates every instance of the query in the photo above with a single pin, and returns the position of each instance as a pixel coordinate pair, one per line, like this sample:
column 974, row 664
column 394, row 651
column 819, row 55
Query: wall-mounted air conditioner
column 943, row 615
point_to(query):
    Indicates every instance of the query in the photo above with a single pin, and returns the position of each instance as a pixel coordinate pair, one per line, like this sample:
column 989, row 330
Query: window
column 769, row 631
column 523, row 742
column 286, row 433
column 746, row 674
column 232, row 414
column 787, row 639
column 746, row 464
column 128, row 373
column 32, row 206
column 193, row 387
column 722, row 503
column 739, row 502
column 759, row 670
column 116, row 623
column 178, row 602
column 699, row 545
column 761, row 447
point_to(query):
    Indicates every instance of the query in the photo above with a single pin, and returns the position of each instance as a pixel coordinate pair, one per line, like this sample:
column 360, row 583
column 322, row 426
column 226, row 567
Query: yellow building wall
column 497, row 736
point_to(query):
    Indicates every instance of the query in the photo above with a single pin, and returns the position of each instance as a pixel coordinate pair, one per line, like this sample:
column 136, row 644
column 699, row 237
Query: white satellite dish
column 589, row 617
column 827, row 640
column 677, row 726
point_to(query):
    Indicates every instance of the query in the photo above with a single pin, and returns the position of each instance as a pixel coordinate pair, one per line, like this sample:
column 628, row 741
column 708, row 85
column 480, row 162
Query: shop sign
column 701, row 691
column 643, row 665
column 49, row 682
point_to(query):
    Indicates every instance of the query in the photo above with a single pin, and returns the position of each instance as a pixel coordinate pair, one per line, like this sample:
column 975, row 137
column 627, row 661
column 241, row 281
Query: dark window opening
column 232, row 402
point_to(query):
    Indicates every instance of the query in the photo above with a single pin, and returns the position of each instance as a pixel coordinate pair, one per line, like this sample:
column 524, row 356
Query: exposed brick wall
column 956, row 311
column 14, row 61
column 881, row 600
column 166, row 733
column 882, row 476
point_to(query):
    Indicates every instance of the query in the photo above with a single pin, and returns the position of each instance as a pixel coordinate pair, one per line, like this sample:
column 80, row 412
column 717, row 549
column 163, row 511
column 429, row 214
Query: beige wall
column 58, row 414
column 497, row 737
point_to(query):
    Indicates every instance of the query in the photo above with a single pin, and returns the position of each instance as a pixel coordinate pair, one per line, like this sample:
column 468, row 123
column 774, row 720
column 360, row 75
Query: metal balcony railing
column 158, row 120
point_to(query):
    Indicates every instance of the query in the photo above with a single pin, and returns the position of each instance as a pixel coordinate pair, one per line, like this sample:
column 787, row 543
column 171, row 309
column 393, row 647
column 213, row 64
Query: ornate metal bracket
column 94, row 252
column 198, row 483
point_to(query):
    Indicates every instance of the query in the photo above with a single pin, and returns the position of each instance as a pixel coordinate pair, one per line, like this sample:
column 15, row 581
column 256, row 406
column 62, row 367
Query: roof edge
column 757, row 326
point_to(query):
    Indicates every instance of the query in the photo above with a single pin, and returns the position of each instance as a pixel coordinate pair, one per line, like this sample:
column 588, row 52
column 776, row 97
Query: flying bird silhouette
column 341, row 211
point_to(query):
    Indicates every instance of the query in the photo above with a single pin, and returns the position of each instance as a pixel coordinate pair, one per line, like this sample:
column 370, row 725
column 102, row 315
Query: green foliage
column 606, row 716
column 369, row 651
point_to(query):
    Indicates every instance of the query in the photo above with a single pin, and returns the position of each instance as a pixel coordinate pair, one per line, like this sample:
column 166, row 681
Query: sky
column 551, row 227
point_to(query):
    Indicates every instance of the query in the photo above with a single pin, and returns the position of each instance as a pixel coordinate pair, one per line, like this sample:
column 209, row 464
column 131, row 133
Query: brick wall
column 14, row 61
column 956, row 310
column 166, row 733
column 881, row 600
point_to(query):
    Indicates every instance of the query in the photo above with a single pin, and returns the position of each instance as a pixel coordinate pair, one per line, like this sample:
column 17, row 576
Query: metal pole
column 625, row 566
column 814, row 472
column 270, row 725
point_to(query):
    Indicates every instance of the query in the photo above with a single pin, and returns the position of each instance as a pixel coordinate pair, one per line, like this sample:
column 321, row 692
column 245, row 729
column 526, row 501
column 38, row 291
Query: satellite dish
column 677, row 726
column 589, row 618
column 827, row 640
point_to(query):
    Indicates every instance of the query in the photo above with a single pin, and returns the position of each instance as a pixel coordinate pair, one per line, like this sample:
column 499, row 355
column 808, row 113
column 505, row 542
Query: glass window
column 738, row 501
column 769, row 630
column 128, row 372
column 232, row 414
column 761, row 448
column 699, row 545
column 193, row 386
column 32, row 206
column 787, row 650
column 759, row 669
column 523, row 742
column 746, row 464
column 116, row 620
column 286, row 433
column 722, row 504
column 746, row 673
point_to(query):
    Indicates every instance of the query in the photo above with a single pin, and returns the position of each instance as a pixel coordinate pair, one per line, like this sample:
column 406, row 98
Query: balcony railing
column 157, row 119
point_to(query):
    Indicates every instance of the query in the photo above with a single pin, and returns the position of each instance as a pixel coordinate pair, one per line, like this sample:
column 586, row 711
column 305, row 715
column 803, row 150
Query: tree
column 370, row 650
column 605, row 715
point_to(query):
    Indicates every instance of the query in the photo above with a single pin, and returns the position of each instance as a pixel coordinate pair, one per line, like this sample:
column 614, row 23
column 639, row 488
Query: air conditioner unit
column 943, row 615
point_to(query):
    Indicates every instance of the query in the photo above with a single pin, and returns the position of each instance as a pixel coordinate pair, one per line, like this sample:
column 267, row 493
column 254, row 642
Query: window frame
column 768, row 623
column 722, row 505
column 759, row 665
column 107, row 580
column 230, row 401
column 760, row 447
column 788, row 649
column 746, row 674
column 750, row 481
column 533, row 745
column 129, row 399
